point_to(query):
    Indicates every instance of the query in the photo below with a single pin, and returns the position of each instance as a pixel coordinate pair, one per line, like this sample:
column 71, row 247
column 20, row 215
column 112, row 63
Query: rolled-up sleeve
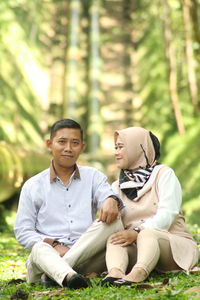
column 101, row 189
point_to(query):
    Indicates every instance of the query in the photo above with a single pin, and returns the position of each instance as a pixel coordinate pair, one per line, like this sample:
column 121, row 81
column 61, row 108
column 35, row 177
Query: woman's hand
column 124, row 238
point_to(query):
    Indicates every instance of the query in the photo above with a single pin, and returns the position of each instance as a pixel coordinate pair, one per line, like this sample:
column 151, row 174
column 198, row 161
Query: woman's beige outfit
column 164, row 242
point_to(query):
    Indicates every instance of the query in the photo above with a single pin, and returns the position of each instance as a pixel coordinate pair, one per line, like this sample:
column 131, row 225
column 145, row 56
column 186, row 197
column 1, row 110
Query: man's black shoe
column 77, row 281
column 48, row 282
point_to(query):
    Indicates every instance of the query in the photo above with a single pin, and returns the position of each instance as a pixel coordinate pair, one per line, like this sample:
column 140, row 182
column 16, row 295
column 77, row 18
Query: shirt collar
column 53, row 175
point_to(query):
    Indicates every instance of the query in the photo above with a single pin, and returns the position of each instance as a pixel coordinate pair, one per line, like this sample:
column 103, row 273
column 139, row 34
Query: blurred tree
column 16, row 165
column 195, row 7
column 57, row 58
column 72, row 60
column 134, row 64
column 20, row 99
column 95, row 128
column 171, row 60
column 192, row 80
column 127, row 9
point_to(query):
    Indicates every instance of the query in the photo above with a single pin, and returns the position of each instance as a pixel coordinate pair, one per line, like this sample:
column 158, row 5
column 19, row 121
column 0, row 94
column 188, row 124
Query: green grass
column 165, row 286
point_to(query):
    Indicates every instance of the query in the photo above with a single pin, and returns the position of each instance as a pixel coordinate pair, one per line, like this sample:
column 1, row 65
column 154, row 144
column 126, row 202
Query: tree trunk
column 172, row 67
column 73, row 58
column 136, row 98
column 95, row 120
column 126, row 62
column 190, row 55
column 195, row 20
column 58, row 48
column 85, row 80
column 195, row 6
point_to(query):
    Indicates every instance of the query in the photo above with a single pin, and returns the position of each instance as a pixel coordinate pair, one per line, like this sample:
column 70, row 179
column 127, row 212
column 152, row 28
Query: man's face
column 66, row 147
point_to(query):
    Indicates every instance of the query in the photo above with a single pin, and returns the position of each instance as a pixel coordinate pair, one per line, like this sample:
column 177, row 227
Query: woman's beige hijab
column 139, row 147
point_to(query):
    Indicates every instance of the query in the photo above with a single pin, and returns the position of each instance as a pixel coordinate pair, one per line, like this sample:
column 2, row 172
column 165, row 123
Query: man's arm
column 108, row 203
column 25, row 224
column 109, row 211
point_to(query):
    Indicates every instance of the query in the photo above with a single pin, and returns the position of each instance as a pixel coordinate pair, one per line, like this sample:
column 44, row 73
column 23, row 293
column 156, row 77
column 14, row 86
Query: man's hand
column 109, row 211
column 124, row 238
column 61, row 249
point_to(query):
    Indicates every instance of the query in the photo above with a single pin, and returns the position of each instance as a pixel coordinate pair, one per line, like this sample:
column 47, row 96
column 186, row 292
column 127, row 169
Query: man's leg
column 95, row 264
column 45, row 259
column 92, row 242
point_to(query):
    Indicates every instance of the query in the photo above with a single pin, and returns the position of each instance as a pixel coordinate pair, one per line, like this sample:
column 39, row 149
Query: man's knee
column 104, row 227
column 38, row 246
column 115, row 226
column 38, row 249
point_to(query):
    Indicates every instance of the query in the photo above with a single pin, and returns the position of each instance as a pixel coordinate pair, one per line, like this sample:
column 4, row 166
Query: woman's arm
column 170, row 198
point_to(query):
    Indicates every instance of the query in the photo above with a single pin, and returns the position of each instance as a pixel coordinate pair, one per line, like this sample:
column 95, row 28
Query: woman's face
column 120, row 154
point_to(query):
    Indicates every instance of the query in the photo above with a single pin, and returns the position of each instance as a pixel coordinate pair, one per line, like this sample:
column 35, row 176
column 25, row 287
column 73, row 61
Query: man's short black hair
column 65, row 123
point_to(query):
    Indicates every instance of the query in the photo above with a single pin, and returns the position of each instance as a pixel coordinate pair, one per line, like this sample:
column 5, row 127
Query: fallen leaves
column 92, row 275
column 143, row 286
column 194, row 289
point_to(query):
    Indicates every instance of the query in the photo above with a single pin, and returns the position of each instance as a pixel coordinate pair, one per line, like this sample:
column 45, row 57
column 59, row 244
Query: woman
column 155, row 236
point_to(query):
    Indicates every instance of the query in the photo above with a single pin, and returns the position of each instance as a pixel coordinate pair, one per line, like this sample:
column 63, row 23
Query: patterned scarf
column 142, row 152
column 130, row 182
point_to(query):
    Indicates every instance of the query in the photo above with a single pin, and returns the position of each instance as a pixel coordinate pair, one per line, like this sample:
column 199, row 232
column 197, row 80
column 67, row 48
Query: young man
column 57, row 212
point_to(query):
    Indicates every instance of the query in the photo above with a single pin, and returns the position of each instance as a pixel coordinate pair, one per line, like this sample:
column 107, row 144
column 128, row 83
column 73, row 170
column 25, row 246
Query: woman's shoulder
column 160, row 171
column 165, row 174
column 115, row 183
column 162, row 168
column 115, row 186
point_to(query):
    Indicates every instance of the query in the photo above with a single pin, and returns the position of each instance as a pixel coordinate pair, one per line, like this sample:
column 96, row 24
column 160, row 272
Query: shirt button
column 69, row 205
column 67, row 189
column 69, row 239
column 71, row 221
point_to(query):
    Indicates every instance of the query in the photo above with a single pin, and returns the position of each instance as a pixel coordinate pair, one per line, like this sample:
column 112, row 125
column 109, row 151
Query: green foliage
column 11, row 173
column 16, row 166
column 182, row 154
column 3, row 224
column 20, row 106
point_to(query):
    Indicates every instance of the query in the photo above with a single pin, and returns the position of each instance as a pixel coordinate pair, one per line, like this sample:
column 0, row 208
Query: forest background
column 108, row 64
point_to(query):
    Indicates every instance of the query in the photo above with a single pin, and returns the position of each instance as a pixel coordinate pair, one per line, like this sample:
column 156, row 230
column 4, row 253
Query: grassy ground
column 13, row 285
